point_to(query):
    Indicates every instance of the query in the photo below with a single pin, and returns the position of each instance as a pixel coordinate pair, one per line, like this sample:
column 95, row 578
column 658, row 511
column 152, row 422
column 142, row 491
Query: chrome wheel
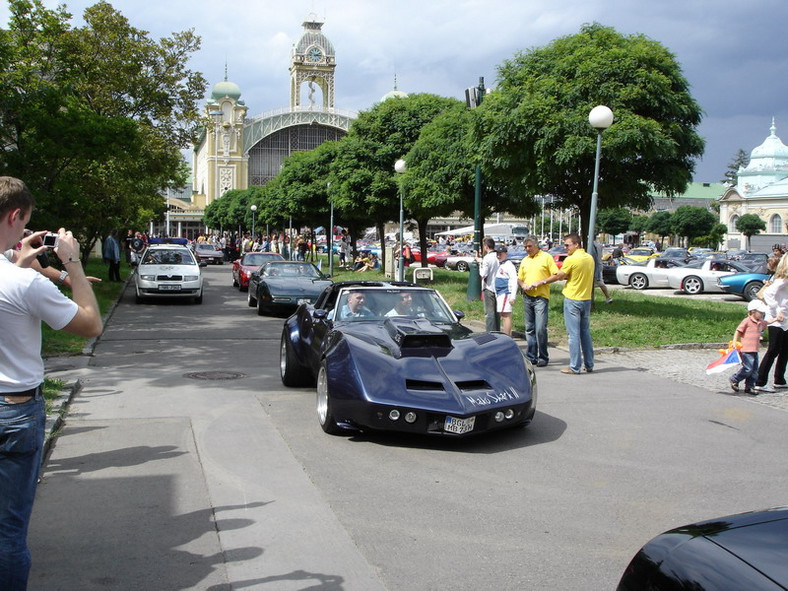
column 638, row 281
column 693, row 285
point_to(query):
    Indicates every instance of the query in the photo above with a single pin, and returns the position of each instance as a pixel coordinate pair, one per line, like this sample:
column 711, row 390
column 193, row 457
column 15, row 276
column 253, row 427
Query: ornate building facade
column 762, row 189
column 236, row 152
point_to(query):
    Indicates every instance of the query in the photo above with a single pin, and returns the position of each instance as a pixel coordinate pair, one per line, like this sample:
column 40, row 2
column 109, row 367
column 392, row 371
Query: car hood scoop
column 417, row 335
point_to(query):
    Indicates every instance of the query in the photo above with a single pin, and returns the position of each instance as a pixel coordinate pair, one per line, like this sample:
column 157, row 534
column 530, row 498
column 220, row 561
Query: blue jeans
column 492, row 319
column 577, row 319
column 535, row 309
column 21, row 446
column 748, row 371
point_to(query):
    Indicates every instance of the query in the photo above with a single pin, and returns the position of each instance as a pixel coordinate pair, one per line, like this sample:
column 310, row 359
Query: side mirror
column 320, row 314
column 459, row 314
column 203, row 264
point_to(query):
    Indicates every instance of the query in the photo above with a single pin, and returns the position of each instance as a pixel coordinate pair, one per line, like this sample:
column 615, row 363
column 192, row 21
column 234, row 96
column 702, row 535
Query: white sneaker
column 766, row 388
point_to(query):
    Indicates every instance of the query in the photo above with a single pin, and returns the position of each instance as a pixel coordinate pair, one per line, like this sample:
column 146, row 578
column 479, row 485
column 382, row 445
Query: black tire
column 292, row 373
column 198, row 299
column 251, row 301
column 463, row 266
column 638, row 281
column 261, row 311
column 235, row 283
column 692, row 285
column 751, row 289
column 325, row 412
column 137, row 298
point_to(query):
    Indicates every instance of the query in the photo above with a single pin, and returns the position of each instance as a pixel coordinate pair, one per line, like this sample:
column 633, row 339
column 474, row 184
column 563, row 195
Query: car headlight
column 148, row 277
column 191, row 277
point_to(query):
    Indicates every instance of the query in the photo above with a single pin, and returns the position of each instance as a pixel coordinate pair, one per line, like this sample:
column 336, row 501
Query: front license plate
column 173, row 287
column 459, row 426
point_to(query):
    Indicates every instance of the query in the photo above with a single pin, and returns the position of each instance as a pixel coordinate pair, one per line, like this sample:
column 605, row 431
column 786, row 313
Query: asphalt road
column 185, row 464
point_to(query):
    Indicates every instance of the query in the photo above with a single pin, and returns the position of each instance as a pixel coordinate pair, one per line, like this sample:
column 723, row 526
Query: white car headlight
column 191, row 277
column 148, row 277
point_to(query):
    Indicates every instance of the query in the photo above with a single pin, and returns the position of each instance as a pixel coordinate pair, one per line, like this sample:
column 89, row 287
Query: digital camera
column 50, row 239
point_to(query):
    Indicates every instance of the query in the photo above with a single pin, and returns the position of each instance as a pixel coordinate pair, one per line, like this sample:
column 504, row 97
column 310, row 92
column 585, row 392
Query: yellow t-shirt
column 537, row 268
column 579, row 266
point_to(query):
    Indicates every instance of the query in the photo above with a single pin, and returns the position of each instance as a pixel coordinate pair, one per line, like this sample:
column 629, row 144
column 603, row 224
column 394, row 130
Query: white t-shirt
column 487, row 271
column 26, row 299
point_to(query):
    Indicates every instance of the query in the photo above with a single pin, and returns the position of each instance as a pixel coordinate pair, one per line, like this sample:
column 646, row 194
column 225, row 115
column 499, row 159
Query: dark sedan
column 393, row 356
column 284, row 285
column 744, row 551
column 208, row 253
column 248, row 264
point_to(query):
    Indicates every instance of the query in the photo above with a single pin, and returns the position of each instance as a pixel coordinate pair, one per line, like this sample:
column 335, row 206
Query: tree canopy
column 534, row 133
column 93, row 118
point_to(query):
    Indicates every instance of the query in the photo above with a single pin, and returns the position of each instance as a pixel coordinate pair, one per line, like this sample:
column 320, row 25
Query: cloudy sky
column 734, row 54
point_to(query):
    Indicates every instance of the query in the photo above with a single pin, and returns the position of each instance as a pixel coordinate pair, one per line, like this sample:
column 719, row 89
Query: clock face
column 315, row 55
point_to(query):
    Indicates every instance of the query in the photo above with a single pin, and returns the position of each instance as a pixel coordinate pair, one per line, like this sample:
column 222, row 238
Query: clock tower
column 312, row 62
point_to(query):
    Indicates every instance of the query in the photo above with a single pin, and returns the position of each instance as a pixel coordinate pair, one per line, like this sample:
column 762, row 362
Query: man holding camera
column 26, row 299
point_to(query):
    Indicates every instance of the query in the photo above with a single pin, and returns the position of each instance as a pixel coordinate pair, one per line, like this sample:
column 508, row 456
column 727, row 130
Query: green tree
column 750, row 224
column 740, row 160
column 639, row 223
column 534, row 131
column 363, row 178
column 614, row 220
column 93, row 118
column 690, row 221
column 661, row 224
column 440, row 179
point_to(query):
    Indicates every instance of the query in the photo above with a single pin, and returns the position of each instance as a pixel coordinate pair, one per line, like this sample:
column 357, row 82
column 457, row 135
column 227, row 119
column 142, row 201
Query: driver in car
column 355, row 306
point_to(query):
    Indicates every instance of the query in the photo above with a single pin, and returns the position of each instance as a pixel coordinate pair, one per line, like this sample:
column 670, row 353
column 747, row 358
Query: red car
column 251, row 261
column 432, row 255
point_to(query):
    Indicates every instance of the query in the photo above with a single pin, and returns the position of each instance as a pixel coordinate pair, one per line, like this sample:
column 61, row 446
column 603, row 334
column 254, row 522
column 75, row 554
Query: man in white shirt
column 27, row 298
column 487, row 269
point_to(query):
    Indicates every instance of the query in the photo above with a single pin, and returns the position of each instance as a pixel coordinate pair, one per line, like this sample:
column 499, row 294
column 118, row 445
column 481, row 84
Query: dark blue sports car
column 393, row 356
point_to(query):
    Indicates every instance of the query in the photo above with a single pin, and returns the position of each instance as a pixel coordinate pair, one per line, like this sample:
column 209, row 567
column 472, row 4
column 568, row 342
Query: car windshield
column 207, row 247
column 304, row 270
column 255, row 259
column 168, row 256
column 378, row 304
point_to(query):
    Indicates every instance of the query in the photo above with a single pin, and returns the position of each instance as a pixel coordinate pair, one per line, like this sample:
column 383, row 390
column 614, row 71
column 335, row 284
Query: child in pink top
column 749, row 334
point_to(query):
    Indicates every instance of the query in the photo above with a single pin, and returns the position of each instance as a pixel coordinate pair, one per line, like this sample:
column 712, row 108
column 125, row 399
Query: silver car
column 168, row 271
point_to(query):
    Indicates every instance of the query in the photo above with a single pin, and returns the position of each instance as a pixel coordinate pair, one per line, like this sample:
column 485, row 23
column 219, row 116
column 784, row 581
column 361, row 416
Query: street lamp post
column 400, row 166
column 474, row 98
column 330, row 241
column 254, row 209
column 600, row 118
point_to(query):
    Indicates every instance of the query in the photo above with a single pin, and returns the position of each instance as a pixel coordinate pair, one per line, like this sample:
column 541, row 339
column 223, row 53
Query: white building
column 762, row 189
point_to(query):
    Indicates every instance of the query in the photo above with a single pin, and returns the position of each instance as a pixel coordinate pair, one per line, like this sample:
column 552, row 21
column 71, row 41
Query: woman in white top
column 776, row 297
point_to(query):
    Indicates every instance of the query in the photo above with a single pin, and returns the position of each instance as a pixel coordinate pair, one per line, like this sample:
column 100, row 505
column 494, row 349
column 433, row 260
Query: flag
column 730, row 359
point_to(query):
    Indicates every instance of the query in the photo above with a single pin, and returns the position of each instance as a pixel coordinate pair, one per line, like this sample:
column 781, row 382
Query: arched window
column 732, row 224
column 776, row 224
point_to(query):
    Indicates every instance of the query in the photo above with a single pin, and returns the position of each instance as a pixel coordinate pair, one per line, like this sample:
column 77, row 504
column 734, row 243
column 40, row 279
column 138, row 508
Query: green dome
column 226, row 88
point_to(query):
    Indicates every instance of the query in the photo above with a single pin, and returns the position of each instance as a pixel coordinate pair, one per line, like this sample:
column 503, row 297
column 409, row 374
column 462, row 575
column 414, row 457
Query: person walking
column 488, row 266
column 775, row 296
column 26, row 299
column 748, row 333
column 578, row 271
column 111, row 254
column 599, row 281
column 537, row 266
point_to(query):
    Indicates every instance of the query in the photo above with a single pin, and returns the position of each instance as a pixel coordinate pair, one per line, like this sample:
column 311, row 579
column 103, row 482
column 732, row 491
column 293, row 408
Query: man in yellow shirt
column 578, row 271
column 534, row 269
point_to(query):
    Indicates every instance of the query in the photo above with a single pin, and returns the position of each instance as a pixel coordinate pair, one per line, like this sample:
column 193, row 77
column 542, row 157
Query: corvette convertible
column 284, row 285
column 393, row 356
